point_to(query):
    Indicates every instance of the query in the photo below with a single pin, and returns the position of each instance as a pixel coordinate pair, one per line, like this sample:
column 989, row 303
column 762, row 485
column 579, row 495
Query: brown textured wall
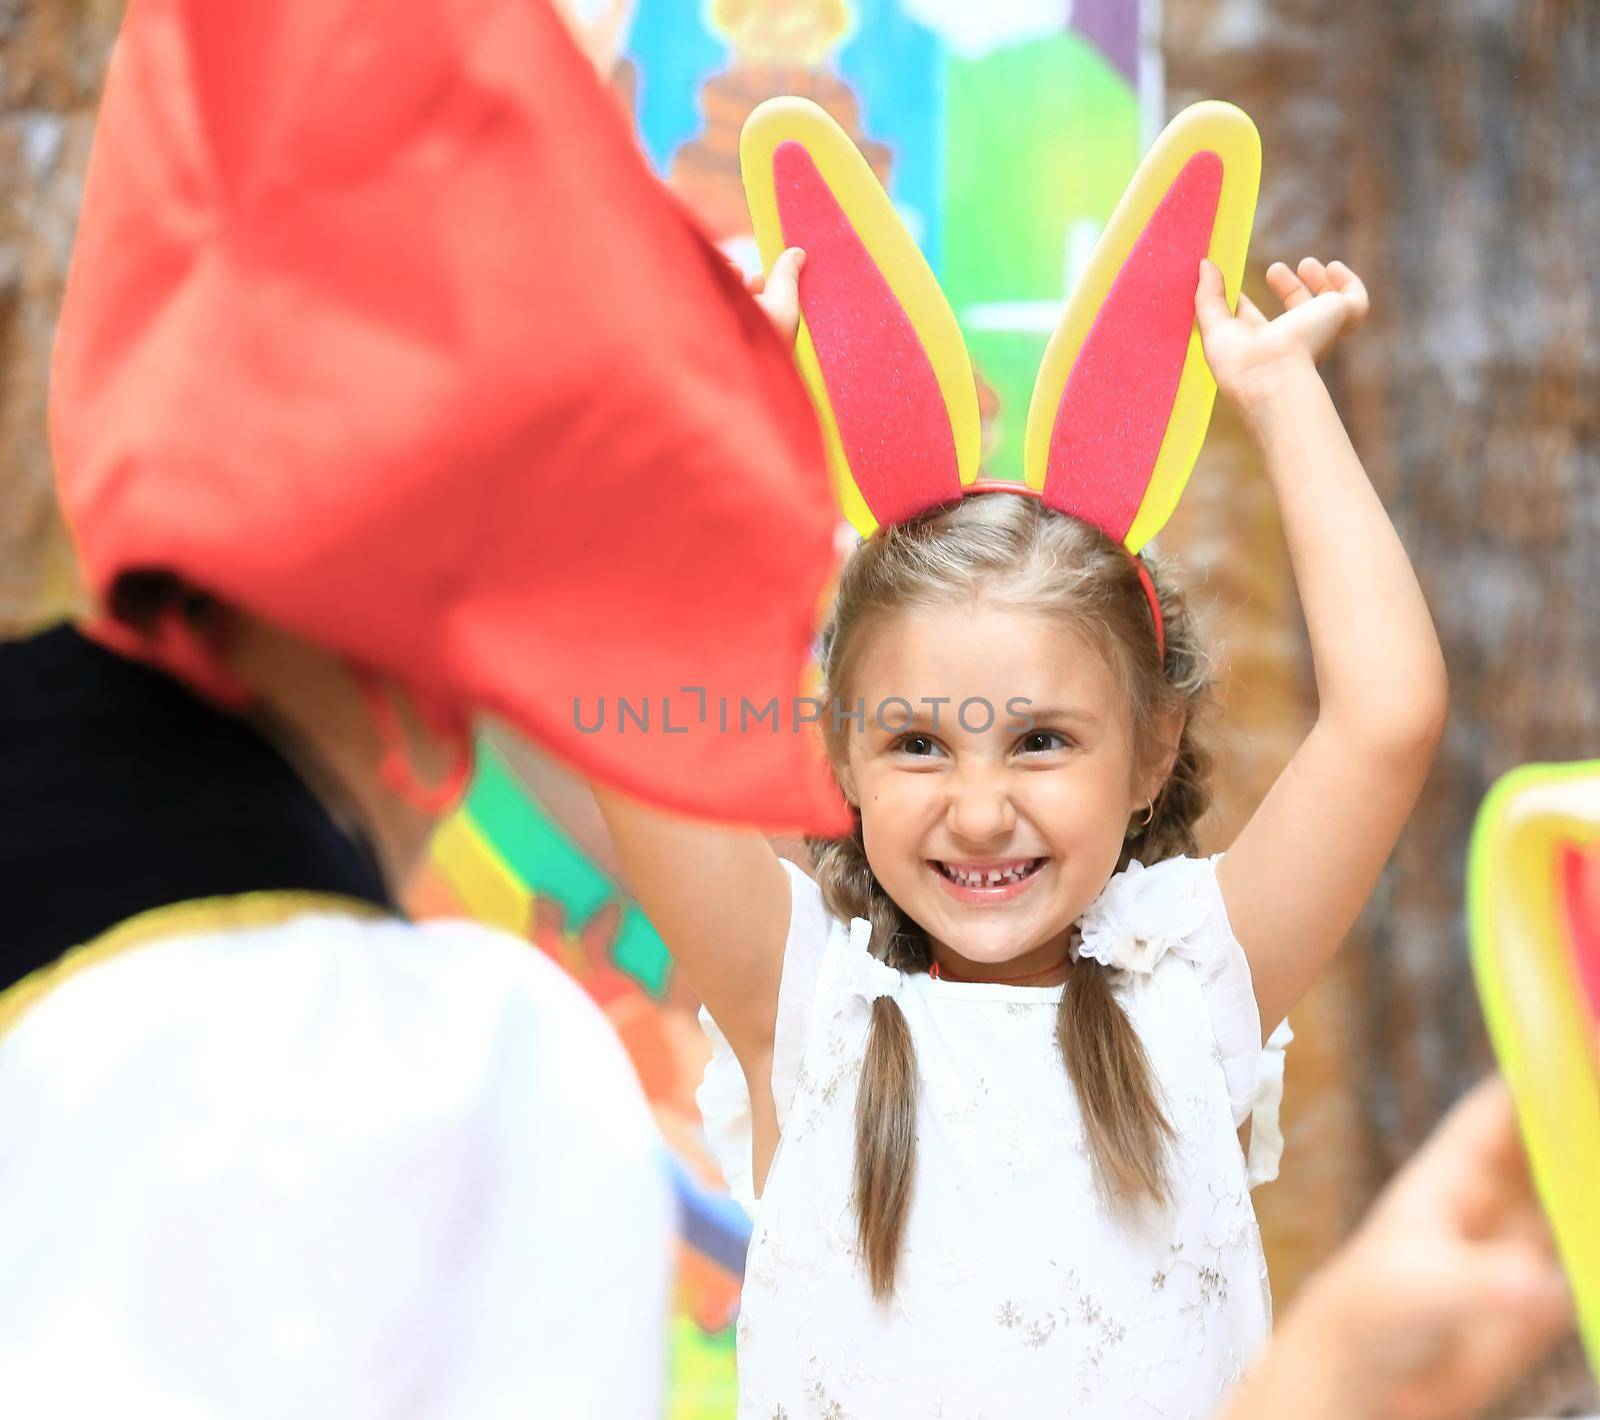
column 1451, row 153
column 52, row 61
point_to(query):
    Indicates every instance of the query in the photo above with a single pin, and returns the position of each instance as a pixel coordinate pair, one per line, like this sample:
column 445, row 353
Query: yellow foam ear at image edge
column 1211, row 126
column 897, row 257
column 1532, row 1001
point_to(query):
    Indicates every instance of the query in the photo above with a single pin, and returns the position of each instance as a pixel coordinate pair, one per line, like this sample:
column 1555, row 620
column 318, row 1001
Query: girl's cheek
column 896, row 813
column 1060, row 799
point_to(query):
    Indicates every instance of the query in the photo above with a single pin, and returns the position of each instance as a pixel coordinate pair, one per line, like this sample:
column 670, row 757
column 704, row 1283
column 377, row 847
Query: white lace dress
column 1019, row 1293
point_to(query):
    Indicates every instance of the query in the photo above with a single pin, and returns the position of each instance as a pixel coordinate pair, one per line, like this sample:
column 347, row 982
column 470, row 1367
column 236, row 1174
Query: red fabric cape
column 379, row 327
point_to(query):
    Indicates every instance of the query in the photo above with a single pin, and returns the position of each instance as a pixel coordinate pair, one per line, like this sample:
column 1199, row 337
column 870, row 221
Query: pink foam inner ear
column 886, row 400
column 1580, row 895
column 1118, row 399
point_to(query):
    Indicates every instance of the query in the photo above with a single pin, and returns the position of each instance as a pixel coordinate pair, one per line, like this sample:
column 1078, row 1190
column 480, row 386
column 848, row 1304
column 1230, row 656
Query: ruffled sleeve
column 1177, row 906
column 724, row 1094
column 1266, row 1136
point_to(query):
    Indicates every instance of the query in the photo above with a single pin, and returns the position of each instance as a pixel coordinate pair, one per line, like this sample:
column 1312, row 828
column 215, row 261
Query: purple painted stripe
column 1112, row 26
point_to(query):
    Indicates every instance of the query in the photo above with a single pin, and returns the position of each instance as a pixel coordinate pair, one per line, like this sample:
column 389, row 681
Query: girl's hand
column 1449, row 1292
column 779, row 294
column 1453, row 1285
column 1249, row 354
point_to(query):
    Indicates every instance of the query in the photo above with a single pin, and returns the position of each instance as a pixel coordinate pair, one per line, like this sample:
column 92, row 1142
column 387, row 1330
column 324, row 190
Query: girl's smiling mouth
column 997, row 881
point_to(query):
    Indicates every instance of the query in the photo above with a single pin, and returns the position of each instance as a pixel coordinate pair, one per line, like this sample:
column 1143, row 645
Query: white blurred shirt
column 336, row 1167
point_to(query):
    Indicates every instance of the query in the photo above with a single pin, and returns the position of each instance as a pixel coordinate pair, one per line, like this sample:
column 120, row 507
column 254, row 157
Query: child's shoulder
column 809, row 916
column 1143, row 914
column 829, row 952
column 1173, row 912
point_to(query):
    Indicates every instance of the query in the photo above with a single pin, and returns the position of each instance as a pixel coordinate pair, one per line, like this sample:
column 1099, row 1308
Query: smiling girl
column 979, row 1081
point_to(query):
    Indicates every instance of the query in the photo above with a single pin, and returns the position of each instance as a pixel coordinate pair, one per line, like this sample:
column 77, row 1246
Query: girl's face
column 1014, row 755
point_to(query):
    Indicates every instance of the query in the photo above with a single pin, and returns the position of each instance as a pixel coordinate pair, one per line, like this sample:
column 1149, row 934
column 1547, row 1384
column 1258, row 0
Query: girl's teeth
column 991, row 879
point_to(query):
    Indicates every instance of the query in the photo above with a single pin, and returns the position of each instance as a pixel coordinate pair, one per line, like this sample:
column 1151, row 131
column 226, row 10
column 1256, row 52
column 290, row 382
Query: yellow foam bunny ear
column 1535, row 853
column 879, row 346
column 1124, row 395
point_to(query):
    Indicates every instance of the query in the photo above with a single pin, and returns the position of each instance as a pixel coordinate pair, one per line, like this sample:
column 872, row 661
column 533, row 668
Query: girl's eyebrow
column 923, row 718
column 1065, row 712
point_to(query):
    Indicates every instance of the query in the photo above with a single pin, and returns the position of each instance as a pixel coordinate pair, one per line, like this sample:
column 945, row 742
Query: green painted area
column 640, row 952
column 550, row 864
column 534, row 848
column 1043, row 139
column 702, row 1385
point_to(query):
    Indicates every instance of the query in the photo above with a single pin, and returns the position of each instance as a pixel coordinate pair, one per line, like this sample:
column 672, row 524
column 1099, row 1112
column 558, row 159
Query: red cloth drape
column 379, row 328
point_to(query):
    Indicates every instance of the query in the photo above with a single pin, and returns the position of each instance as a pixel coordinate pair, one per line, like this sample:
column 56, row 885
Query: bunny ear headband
column 1533, row 909
column 1123, row 395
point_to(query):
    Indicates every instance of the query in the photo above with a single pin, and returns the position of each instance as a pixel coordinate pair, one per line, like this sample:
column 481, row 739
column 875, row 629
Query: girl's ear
column 1169, row 735
column 879, row 346
column 847, row 786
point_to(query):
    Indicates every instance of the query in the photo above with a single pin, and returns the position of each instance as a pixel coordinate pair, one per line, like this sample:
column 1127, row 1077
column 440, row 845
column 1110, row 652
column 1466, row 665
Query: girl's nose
column 980, row 806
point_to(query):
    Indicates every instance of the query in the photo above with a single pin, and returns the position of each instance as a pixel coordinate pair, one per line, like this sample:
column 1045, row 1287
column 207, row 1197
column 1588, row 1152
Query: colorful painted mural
column 1005, row 134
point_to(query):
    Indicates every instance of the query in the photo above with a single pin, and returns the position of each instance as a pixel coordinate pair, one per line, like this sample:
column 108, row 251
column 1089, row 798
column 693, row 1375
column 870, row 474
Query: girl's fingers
column 784, row 283
column 1352, row 288
column 780, row 298
column 1314, row 274
column 1249, row 312
column 1211, row 299
column 1286, row 286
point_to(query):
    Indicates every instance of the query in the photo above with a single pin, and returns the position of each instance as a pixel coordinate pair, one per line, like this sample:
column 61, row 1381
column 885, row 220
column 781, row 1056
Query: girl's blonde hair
column 1002, row 548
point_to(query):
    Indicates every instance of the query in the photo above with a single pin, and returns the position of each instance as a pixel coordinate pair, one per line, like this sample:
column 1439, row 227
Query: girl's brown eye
column 919, row 745
column 1043, row 741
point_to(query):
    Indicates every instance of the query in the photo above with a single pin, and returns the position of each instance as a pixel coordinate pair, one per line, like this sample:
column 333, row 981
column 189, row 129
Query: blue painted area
column 897, row 69
column 712, row 1223
column 674, row 54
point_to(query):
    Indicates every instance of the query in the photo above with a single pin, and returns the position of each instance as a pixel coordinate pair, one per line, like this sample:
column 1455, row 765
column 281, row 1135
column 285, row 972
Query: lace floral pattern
column 1017, row 1277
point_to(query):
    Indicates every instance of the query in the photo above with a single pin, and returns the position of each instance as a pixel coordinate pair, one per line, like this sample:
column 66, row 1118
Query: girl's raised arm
column 1299, row 873
column 719, row 897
